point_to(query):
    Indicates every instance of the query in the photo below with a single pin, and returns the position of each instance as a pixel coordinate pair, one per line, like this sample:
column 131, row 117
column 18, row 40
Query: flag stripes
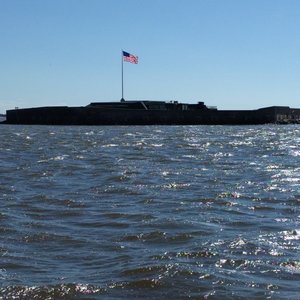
column 130, row 58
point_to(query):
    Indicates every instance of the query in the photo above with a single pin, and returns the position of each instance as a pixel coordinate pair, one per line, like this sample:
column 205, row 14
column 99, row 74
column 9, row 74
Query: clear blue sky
column 233, row 54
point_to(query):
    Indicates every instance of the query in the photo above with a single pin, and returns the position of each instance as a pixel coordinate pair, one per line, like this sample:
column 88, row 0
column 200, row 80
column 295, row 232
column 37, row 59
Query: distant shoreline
column 2, row 118
column 149, row 112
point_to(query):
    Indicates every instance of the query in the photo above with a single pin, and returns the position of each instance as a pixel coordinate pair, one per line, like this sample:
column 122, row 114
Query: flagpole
column 122, row 99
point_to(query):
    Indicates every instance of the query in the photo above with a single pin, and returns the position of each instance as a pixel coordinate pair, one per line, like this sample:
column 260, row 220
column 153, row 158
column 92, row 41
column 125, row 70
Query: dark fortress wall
column 88, row 115
column 283, row 114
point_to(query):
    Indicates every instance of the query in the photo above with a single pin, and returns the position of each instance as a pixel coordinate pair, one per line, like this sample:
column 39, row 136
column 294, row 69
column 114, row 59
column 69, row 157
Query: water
column 178, row 212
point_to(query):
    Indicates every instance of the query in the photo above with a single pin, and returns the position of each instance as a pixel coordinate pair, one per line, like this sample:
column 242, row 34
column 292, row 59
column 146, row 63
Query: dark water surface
column 200, row 212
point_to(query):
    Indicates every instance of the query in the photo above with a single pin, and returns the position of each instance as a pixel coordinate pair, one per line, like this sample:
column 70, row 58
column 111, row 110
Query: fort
column 139, row 112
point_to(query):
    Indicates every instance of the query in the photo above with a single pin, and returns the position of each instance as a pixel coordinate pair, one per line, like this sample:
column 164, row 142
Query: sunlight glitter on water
column 144, row 212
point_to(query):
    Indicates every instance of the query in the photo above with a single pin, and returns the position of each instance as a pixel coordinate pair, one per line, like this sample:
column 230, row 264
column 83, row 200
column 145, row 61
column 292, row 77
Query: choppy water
column 201, row 212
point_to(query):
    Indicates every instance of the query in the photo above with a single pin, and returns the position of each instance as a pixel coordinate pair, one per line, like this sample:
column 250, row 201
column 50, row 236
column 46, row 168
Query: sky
column 233, row 54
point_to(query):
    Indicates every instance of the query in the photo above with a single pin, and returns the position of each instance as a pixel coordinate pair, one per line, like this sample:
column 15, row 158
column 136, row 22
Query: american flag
column 130, row 58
